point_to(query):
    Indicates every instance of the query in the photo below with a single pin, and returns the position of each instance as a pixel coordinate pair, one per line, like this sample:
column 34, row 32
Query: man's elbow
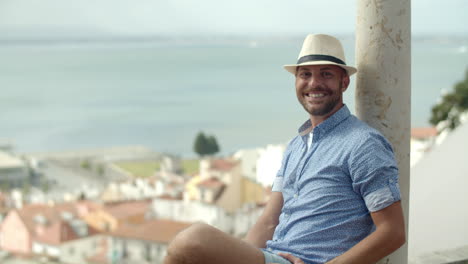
column 398, row 239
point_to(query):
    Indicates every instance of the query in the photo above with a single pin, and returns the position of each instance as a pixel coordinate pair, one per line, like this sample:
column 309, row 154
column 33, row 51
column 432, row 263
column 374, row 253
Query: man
column 335, row 198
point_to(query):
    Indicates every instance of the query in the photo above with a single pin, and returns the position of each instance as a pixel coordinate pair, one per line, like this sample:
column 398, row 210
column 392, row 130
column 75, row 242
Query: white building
column 143, row 243
column 438, row 202
column 13, row 170
column 236, row 223
column 268, row 163
column 261, row 164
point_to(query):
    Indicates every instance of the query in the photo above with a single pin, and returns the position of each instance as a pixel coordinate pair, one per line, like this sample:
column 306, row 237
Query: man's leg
column 204, row 244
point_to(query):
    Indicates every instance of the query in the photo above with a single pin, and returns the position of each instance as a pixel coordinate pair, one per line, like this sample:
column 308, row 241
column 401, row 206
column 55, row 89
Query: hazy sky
column 153, row 17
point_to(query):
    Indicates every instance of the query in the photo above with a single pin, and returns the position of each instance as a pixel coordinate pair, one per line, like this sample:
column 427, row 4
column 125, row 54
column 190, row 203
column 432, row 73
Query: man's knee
column 189, row 244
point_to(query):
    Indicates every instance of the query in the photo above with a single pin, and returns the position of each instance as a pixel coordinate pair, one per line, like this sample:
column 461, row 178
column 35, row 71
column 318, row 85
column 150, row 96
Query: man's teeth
column 317, row 95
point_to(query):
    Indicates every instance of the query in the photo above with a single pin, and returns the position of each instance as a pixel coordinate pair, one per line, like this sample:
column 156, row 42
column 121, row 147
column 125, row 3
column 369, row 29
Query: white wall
column 268, row 164
column 76, row 251
column 193, row 211
column 134, row 251
column 248, row 159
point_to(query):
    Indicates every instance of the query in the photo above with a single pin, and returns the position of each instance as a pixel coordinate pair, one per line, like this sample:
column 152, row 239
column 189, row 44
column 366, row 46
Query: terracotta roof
column 55, row 233
column 423, row 132
column 126, row 209
column 211, row 183
column 222, row 164
column 155, row 230
column 55, row 228
column 169, row 197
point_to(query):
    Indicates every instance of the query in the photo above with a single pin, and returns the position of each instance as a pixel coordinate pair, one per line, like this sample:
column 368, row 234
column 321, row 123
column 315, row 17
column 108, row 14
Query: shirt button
column 295, row 195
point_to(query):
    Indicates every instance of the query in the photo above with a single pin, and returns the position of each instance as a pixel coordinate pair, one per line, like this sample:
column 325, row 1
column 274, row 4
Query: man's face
column 319, row 88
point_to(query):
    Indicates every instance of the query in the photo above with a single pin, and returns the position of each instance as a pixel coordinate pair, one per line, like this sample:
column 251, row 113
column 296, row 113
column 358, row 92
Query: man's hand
column 293, row 259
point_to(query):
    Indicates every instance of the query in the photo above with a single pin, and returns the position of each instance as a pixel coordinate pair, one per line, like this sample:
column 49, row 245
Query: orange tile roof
column 56, row 230
column 222, row 164
column 126, row 209
column 211, row 183
column 169, row 197
column 155, row 230
column 423, row 132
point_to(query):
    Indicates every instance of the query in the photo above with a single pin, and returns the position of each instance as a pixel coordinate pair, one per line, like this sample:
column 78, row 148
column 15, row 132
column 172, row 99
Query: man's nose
column 314, row 81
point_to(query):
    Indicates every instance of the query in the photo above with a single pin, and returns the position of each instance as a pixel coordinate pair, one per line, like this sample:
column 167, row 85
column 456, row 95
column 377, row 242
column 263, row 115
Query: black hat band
column 320, row 58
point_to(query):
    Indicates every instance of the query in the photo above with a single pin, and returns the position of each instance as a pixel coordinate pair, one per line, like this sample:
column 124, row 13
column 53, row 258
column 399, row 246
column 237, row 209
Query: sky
column 38, row 18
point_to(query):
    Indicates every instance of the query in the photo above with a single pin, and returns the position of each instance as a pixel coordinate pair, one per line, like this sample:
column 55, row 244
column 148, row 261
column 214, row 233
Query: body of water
column 73, row 95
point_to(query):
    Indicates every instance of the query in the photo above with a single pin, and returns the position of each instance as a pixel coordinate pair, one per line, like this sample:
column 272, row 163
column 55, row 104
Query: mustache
column 318, row 89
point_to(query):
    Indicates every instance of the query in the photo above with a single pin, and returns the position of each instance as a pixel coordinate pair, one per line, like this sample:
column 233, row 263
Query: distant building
column 219, row 195
column 13, row 171
column 110, row 217
column 221, row 183
column 268, row 163
column 54, row 231
column 261, row 164
column 142, row 243
column 438, row 215
column 236, row 223
column 422, row 141
column 248, row 159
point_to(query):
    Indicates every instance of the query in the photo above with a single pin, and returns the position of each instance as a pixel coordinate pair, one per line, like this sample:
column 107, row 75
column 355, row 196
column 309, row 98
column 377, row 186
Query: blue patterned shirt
column 330, row 188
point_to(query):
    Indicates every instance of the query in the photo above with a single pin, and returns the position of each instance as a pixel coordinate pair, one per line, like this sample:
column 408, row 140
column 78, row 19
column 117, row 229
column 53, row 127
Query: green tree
column 212, row 144
column 452, row 105
column 205, row 145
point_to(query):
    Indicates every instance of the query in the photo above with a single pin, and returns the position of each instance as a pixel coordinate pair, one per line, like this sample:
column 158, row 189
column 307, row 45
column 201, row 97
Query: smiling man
column 336, row 197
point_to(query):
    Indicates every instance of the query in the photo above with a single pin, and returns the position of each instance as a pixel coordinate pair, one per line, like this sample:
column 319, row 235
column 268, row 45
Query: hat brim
column 292, row 67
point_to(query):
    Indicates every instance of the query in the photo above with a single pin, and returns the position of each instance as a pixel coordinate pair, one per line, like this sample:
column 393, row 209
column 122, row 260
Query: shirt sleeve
column 374, row 173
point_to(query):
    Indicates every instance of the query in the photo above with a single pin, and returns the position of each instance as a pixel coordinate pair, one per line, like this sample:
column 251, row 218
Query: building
column 142, row 243
column 13, row 171
column 438, row 215
column 261, row 164
column 109, row 217
column 222, row 183
column 422, row 141
column 54, row 231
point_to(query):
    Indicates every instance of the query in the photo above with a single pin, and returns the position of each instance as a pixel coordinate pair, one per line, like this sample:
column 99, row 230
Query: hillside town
column 90, row 207
column 125, row 204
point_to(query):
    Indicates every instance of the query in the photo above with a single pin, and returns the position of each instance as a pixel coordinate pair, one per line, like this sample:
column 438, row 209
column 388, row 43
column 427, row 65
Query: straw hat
column 320, row 49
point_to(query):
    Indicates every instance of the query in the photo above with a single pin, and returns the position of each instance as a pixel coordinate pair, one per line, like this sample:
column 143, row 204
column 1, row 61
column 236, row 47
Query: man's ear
column 344, row 82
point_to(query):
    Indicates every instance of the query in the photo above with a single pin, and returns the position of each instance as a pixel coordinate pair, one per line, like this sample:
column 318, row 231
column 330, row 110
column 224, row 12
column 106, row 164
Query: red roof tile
column 123, row 210
column 211, row 183
column 222, row 164
column 423, row 132
column 54, row 229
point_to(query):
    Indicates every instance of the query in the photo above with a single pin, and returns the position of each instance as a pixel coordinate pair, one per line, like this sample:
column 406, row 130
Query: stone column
column 383, row 83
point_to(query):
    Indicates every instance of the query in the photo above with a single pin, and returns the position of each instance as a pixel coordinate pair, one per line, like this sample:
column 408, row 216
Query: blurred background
column 79, row 74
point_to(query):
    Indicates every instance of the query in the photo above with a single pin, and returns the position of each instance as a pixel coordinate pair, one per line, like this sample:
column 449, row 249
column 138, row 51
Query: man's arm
column 388, row 237
column 263, row 229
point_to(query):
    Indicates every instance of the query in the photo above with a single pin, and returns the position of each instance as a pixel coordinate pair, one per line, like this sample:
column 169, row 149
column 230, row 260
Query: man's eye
column 327, row 74
column 305, row 74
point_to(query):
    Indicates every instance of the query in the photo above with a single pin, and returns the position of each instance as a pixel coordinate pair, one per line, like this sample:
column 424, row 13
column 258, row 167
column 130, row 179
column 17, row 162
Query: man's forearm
column 259, row 234
column 388, row 237
column 263, row 229
column 370, row 250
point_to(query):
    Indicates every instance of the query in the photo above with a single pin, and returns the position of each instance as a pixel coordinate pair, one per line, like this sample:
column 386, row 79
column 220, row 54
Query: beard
column 334, row 98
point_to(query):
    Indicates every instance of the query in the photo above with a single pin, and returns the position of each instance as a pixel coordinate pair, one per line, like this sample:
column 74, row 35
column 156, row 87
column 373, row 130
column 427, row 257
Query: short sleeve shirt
column 330, row 187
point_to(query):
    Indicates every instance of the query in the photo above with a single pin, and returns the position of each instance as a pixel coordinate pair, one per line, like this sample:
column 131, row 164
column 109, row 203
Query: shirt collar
column 326, row 125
